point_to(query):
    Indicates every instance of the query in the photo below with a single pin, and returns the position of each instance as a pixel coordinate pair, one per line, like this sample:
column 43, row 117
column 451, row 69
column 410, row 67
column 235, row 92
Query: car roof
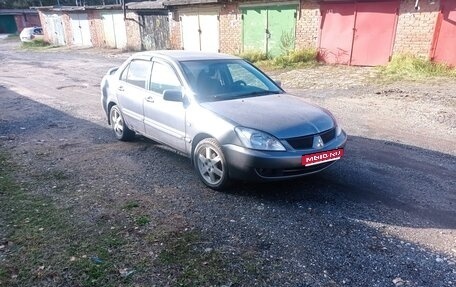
column 181, row 55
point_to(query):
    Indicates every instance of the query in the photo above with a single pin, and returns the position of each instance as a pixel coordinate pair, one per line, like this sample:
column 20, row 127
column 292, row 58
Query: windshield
column 216, row 80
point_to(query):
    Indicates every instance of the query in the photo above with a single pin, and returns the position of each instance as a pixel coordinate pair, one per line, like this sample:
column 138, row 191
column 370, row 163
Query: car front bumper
column 248, row 164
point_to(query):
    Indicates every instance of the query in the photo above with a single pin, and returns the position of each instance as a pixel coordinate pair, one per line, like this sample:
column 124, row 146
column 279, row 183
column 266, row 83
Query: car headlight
column 259, row 140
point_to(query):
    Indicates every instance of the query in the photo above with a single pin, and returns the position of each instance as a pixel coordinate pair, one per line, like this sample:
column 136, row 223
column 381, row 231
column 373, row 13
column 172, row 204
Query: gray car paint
column 283, row 115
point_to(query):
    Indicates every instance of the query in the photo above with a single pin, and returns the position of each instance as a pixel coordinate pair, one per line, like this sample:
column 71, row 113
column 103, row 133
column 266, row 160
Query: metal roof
column 17, row 11
column 78, row 8
column 146, row 5
column 188, row 2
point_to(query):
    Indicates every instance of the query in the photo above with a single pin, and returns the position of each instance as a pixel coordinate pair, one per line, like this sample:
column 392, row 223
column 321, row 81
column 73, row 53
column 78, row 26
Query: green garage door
column 7, row 24
column 269, row 29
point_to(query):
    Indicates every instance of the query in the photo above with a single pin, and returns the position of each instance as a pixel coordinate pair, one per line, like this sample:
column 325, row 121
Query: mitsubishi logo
column 318, row 142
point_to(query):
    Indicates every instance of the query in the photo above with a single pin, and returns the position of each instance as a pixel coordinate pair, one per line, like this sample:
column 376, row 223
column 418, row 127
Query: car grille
column 307, row 141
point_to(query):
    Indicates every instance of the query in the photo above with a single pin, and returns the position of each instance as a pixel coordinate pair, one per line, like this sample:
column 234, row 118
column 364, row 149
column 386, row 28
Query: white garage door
column 114, row 30
column 200, row 31
column 80, row 29
column 209, row 32
column 54, row 25
column 190, row 32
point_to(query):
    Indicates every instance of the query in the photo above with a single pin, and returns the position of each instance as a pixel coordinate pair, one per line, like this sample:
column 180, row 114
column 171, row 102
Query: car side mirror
column 112, row 70
column 172, row 95
column 278, row 83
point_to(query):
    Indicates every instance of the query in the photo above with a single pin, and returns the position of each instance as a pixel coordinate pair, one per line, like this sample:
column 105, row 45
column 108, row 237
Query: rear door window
column 137, row 73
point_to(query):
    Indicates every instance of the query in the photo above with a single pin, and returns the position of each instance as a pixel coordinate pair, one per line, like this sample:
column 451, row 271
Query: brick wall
column 96, row 28
column 27, row 20
column 133, row 32
column 44, row 25
column 175, row 31
column 68, row 31
column 415, row 29
column 308, row 25
column 230, row 29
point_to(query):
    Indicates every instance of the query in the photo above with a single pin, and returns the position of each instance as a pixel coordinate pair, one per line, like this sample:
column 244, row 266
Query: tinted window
column 216, row 80
column 138, row 73
column 241, row 75
column 163, row 78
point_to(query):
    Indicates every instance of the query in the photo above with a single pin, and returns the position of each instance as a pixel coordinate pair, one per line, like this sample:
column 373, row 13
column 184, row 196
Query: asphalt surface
column 384, row 215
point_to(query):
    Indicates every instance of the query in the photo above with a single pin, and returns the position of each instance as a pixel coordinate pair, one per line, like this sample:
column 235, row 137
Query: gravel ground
column 385, row 215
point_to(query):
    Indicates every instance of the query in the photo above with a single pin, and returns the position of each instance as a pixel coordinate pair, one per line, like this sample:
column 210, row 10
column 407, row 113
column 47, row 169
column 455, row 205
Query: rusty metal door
column 444, row 45
column 154, row 32
column 359, row 33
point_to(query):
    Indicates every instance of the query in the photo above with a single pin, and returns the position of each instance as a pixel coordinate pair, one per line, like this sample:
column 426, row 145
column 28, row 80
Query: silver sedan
column 227, row 116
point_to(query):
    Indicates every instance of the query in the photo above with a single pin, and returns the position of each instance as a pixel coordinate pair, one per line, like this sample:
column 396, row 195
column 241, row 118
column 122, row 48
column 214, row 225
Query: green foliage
column 36, row 44
column 409, row 66
column 131, row 205
column 299, row 58
column 287, row 42
column 254, row 56
column 292, row 59
column 142, row 220
column 190, row 264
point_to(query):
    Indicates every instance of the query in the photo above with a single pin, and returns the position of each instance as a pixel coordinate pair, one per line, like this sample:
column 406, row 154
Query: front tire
column 210, row 164
column 120, row 129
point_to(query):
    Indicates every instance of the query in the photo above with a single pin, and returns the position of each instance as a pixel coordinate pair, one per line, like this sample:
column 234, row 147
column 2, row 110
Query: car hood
column 282, row 115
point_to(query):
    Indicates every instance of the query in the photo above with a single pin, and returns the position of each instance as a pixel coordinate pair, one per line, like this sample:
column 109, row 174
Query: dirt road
column 86, row 210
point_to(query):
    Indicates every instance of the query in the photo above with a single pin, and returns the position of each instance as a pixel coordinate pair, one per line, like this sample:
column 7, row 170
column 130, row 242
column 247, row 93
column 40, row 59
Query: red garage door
column 337, row 21
column 444, row 47
column 358, row 33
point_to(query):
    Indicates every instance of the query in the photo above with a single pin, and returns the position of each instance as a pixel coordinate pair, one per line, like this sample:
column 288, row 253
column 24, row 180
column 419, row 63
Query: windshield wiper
column 259, row 93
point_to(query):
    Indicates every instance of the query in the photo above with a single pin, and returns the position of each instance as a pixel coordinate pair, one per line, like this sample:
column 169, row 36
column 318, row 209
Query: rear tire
column 210, row 164
column 120, row 129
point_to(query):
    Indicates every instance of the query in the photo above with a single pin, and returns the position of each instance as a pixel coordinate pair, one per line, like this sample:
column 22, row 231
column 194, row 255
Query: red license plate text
column 321, row 157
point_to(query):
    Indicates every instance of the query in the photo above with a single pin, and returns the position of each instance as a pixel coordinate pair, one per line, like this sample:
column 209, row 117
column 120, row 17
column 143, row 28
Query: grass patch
column 37, row 45
column 296, row 59
column 46, row 244
column 291, row 59
column 411, row 67
column 254, row 56
column 192, row 265
column 41, row 239
column 142, row 220
column 131, row 205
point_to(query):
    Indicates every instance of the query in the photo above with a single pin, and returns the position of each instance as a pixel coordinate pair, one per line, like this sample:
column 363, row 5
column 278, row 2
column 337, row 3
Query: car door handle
column 121, row 89
column 149, row 99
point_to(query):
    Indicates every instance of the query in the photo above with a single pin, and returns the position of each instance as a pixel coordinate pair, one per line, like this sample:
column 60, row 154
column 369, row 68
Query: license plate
column 321, row 157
